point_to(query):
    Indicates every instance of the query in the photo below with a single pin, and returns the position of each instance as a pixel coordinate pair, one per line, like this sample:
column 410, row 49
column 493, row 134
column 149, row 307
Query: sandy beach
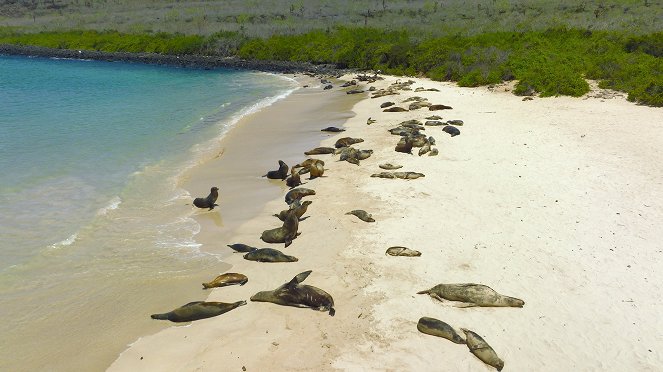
column 555, row 201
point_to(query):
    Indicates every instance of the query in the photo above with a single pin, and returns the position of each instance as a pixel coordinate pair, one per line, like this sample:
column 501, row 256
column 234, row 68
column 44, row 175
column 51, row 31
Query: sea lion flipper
column 427, row 291
column 459, row 305
column 299, row 278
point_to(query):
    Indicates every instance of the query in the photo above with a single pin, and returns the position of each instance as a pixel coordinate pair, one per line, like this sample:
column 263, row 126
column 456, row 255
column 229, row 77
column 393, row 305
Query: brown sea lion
column 434, row 327
column 269, row 255
column 480, row 348
column 458, row 123
column 472, row 295
column 297, row 193
column 209, row 201
column 424, row 149
column 453, row 131
column 439, row 107
column 316, row 170
column 242, row 248
column 370, row 121
column 417, row 105
column 299, row 209
column 226, row 279
column 294, row 180
column 347, row 141
column 433, row 152
column 362, row 215
column 198, row 310
column 307, row 164
column 296, row 294
column 284, row 234
column 332, row 129
column 434, row 117
column 280, row 174
column 402, row 175
column 404, row 145
column 320, row 151
column 402, row 251
column 390, row 166
column 394, row 109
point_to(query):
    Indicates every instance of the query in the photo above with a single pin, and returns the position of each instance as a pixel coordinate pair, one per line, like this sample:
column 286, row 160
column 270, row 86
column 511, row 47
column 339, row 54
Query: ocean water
column 93, row 225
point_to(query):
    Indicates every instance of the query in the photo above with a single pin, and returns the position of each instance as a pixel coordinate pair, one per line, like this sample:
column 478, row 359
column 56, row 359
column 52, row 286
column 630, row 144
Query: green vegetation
column 550, row 47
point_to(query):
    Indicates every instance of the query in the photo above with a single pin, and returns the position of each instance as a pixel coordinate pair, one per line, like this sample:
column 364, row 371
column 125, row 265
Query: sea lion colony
column 295, row 294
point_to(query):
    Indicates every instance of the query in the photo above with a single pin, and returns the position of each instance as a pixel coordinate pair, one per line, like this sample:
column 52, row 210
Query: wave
column 113, row 204
column 66, row 242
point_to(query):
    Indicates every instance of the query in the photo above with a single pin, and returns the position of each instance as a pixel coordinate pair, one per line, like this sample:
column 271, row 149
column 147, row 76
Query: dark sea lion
column 332, row 129
column 209, row 201
column 431, row 140
column 480, row 348
column 296, row 294
column 198, row 310
column 226, row 279
column 294, row 180
column 434, row 327
column 320, row 151
column 269, row 255
column 439, row 107
column 328, row 86
column 402, row 251
column 242, row 248
column 453, row 131
column 394, row 109
column 280, row 174
column 298, row 208
column 390, row 166
column 355, row 91
column 370, row 121
column 297, row 193
column 347, row 141
column 284, row 234
column 362, row 215
column 404, row 145
column 472, row 295
column 387, row 104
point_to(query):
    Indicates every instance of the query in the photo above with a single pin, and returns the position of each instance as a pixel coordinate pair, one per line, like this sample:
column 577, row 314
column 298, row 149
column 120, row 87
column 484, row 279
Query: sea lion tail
column 240, row 303
column 160, row 316
column 206, row 286
column 424, row 292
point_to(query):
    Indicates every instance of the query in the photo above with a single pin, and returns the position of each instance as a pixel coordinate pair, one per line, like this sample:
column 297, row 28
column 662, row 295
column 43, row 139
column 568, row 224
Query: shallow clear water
column 92, row 222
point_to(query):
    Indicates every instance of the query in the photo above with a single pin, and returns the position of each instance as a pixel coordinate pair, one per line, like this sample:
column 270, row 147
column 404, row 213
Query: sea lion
column 390, row 166
column 370, row 121
column 332, row 129
column 394, row 109
column 294, row 180
column 299, row 209
column 402, row 251
column 431, row 140
column 439, row 107
column 307, row 164
column 320, row 151
column 297, row 193
column 347, row 141
column 387, row 104
column 456, row 122
column 424, row 149
column 316, row 170
column 281, row 173
column 198, row 310
column 328, row 86
column 453, row 131
column 242, row 248
column 434, row 327
column 362, row 215
column 226, row 279
column 354, row 91
column 433, row 123
column 402, row 175
column 284, row 234
column 480, row 348
column 209, row 201
column 472, row 295
column 433, row 152
column 269, row 255
column 434, row 117
column 296, row 294
column 404, row 145
column 417, row 105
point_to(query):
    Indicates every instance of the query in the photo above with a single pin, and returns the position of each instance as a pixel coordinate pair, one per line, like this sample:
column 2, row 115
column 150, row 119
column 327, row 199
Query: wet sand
column 555, row 201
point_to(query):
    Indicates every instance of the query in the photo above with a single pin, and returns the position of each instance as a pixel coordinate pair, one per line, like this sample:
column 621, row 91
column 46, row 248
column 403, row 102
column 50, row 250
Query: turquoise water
column 91, row 216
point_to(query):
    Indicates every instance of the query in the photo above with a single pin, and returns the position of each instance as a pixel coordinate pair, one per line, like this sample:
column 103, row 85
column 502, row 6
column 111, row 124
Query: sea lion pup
column 433, row 152
column 473, row 295
column 269, row 255
column 209, row 201
column 390, row 166
column 480, row 348
column 294, row 180
column 226, row 279
column 362, row 215
column 332, row 129
column 320, row 151
column 280, row 174
column 434, row 327
column 402, row 251
column 284, row 234
column 198, row 310
column 296, row 294
column 347, row 141
column 298, row 207
column 242, row 248
column 453, row 131
column 297, row 193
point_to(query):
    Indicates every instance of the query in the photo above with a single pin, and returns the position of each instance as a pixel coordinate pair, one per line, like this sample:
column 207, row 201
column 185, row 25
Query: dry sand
column 556, row 201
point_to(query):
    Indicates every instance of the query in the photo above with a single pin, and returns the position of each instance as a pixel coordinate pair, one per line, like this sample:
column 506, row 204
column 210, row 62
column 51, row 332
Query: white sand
column 556, row 201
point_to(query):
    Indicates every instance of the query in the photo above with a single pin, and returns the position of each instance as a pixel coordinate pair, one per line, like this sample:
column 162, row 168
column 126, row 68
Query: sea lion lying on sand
column 298, row 207
column 394, row 109
column 280, row 174
column 390, row 166
column 284, row 234
column 226, row 279
column 332, row 129
column 269, row 255
column 434, row 327
column 402, row 251
column 439, row 107
column 296, row 294
column 198, row 310
column 209, row 201
column 362, row 215
column 453, row 131
column 316, row 170
column 320, row 151
column 473, row 295
column 347, row 141
column 242, row 248
column 297, row 193
column 402, row 175
column 480, row 348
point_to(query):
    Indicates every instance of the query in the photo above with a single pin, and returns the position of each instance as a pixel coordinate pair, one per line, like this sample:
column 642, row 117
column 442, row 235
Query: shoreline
column 554, row 201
